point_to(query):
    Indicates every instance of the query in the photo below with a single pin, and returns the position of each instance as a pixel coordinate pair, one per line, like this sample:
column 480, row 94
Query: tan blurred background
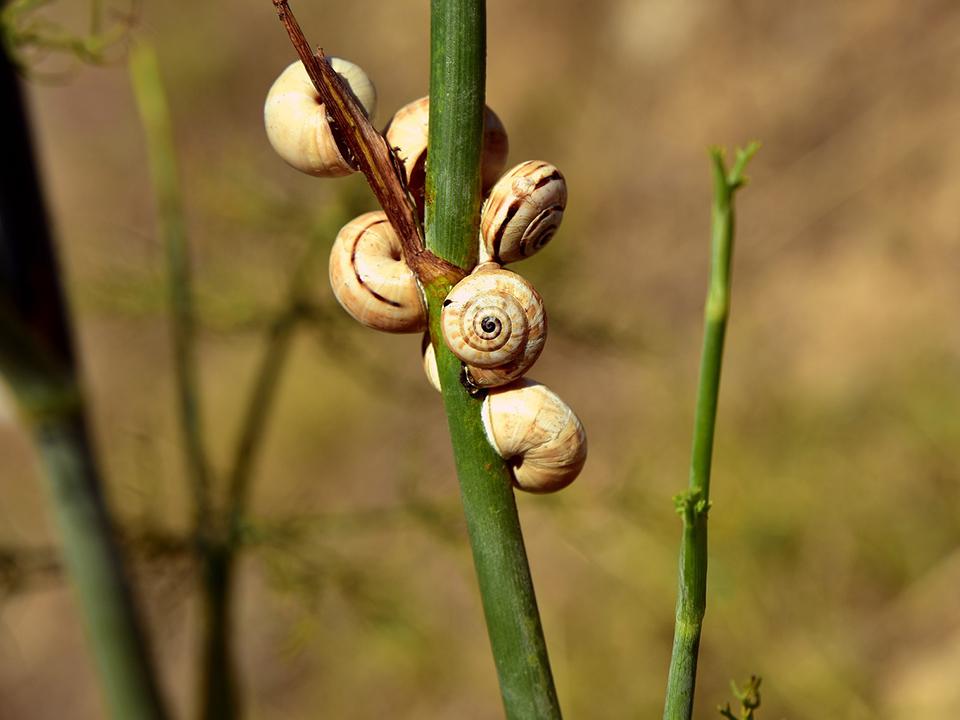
column 835, row 530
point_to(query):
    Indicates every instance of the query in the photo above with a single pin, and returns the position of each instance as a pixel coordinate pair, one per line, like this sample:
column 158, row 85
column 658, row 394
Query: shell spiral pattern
column 370, row 279
column 495, row 322
column 522, row 213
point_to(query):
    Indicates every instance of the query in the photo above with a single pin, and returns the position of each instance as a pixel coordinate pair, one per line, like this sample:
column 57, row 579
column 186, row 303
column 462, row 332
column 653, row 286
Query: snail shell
column 538, row 433
column 495, row 322
column 370, row 279
column 297, row 123
column 522, row 213
column 407, row 132
column 430, row 363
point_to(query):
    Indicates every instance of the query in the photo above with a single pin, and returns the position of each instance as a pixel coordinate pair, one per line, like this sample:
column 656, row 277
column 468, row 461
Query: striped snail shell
column 538, row 433
column 495, row 322
column 370, row 279
column 522, row 213
column 297, row 124
column 407, row 132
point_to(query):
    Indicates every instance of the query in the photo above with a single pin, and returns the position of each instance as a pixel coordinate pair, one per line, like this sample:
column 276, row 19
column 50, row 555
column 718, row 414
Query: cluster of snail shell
column 493, row 320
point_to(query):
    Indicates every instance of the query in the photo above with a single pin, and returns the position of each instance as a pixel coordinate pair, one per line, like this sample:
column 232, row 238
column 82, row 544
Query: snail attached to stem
column 493, row 320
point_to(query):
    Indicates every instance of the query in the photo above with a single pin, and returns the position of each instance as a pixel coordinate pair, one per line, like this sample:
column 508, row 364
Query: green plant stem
column 458, row 38
column 91, row 556
column 218, row 695
column 37, row 360
column 693, row 506
column 155, row 117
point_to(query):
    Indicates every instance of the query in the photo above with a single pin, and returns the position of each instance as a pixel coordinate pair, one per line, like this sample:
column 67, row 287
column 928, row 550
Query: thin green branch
column 155, row 117
column 457, row 77
column 694, row 505
column 218, row 696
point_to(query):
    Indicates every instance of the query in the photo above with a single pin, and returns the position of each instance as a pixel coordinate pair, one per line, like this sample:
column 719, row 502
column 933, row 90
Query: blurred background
column 835, row 529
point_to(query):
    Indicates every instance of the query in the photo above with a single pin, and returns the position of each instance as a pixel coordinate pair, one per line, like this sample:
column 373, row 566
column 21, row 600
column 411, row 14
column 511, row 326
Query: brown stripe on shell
column 502, row 228
column 356, row 272
column 555, row 175
column 504, row 237
column 534, row 228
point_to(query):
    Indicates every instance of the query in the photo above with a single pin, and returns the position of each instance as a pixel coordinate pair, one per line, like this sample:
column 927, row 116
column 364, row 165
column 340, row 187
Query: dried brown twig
column 371, row 153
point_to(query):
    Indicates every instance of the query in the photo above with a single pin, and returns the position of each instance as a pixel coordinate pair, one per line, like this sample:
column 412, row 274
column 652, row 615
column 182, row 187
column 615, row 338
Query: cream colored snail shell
column 538, row 433
column 522, row 213
column 495, row 322
column 430, row 363
column 370, row 279
column 297, row 123
column 407, row 132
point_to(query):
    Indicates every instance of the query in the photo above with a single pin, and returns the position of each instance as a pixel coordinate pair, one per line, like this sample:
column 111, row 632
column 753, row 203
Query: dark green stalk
column 694, row 504
column 37, row 361
column 457, row 77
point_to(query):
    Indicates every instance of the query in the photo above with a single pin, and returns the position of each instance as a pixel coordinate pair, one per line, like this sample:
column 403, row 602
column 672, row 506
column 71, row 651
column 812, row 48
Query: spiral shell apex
column 495, row 322
column 537, row 432
column 370, row 279
column 523, row 212
column 297, row 124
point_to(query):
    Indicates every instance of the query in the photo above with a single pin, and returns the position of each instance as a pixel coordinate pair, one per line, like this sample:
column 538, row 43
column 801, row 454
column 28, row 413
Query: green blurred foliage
column 835, row 524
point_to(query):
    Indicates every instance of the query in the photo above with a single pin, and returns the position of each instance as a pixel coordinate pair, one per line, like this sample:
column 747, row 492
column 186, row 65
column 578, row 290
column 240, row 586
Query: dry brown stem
column 371, row 154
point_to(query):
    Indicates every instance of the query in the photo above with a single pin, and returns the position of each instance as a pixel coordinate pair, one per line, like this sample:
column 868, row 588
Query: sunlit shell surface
column 370, row 279
column 522, row 213
column 297, row 124
column 407, row 132
column 430, row 364
column 538, row 433
column 495, row 322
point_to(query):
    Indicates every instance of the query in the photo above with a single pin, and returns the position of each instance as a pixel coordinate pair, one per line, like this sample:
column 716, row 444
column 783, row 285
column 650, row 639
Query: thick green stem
column 458, row 38
column 91, row 556
column 694, row 504
column 37, row 360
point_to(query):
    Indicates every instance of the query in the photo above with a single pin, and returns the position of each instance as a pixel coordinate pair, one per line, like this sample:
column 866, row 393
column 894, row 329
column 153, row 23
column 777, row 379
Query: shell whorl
column 522, row 213
column 495, row 322
column 537, row 432
column 297, row 124
column 370, row 279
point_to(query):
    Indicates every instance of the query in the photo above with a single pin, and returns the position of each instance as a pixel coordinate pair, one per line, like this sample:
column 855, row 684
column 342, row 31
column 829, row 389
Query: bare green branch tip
column 733, row 179
column 737, row 179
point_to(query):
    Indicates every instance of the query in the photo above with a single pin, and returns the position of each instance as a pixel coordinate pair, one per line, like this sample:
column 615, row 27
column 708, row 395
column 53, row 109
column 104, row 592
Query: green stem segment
column 37, row 360
column 155, row 116
column 694, row 504
column 458, row 39
column 217, row 676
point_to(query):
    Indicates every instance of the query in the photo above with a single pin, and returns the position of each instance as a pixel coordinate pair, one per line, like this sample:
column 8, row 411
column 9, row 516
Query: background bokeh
column 835, row 529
